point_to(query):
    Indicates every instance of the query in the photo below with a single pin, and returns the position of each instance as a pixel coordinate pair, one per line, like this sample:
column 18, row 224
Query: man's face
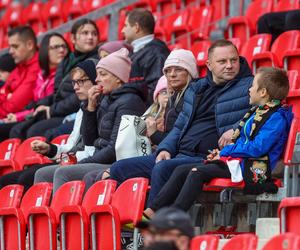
column 129, row 31
column 86, row 38
column 224, row 64
column 20, row 50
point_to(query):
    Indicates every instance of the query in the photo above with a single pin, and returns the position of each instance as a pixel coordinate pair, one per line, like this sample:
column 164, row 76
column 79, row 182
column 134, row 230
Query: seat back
column 200, row 51
column 256, row 44
column 205, row 242
column 13, row 16
column 287, row 241
column 53, row 14
column 25, row 156
column 285, row 5
column 289, row 214
column 36, row 196
column 288, row 40
column 98, row 194
column 241, row 242
column 10, row 196
column 33, row 17
column 73, row 9
column 8, row 150
column 130, row 194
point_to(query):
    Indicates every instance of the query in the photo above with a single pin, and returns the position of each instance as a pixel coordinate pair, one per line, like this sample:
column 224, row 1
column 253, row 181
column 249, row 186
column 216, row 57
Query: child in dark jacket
column 257, row 145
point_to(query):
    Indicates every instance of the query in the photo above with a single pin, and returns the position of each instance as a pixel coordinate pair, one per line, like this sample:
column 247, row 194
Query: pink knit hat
column 118, row 63
column 161, row 84
column 114, row 46
column 184, row 59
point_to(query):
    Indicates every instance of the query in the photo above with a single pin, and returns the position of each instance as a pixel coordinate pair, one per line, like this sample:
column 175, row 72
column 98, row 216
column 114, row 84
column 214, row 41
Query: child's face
column 257, row 95
column 163, row 98
column 4, row 75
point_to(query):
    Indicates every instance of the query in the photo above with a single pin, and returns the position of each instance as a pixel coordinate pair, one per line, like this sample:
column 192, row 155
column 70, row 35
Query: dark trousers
column 5, row 129
column 24, row 177
column 145, row 166
column 29, row 128
column 186, row 183
column 276, row 23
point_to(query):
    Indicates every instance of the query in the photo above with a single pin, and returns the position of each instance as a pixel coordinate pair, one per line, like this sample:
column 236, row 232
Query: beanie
column 118, row 63
column 89, row 68
column 114, row 46
column 184, row 59
column 7, row 63
column 161, row 84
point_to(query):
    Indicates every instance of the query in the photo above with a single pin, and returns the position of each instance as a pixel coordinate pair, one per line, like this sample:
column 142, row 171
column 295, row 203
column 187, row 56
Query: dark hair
column 144, row 18
column 82, row 22
column 25, row 32
column 275, row 81
column 44, row 52
column 220, row 43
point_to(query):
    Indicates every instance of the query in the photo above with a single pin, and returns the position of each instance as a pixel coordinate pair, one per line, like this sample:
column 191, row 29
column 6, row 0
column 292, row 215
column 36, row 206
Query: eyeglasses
column 58, row 46
column 80, row 82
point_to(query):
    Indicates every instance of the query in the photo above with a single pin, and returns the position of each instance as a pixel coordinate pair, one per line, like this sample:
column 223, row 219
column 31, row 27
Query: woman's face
column 107, row 81
column 177, row 77
column 58, row 49
column 86, row 38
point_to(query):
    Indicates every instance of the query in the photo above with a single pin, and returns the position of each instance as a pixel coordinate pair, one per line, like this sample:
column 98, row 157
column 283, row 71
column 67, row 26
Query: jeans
column 145, row 166
column 186, row 183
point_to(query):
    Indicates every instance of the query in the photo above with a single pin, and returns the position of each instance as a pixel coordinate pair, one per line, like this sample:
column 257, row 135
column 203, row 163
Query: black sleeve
column 89, row 126
column 157, row 137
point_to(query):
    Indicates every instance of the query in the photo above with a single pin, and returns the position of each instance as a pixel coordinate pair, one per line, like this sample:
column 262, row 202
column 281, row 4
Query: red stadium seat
column 61, row 139
column 256, row 44
column 166, row 6
column 287, row 241
column 289, row 214
column 285, row 43
column 10, row 196
column 73, row 9
column 200, row 51
column 285, row 5
column 74, row 220
column 13, row 16
column 91, row 5
column 221, row 9
column 103, row 25
column 8, row 150
column 241, row 242
column 205, row 242
column 43, row 221
column 106, row 220
column 237, row 42
column 53, row 13
column 244, row 26
column 14, row 220
column 33, row 16
column 5, row 4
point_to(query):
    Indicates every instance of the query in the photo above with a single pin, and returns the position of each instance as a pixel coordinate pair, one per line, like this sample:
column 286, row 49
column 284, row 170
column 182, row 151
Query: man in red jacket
column 17, row 91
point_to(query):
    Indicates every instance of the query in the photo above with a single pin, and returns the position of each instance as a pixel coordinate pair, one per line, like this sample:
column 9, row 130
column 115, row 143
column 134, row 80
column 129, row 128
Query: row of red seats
column 243, row 27
column 287, row 241
column 93, row 221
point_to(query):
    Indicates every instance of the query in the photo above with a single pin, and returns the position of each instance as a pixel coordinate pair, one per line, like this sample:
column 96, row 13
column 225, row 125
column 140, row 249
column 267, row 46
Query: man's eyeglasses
column 80, row 82
column 58, row 46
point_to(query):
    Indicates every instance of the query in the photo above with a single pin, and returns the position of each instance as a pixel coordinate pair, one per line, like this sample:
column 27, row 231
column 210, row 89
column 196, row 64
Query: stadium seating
column 287, row 241
column 242, row 242
column 106, row 220
column 285, row 5
column 14, row 220
column 205, row 242
column 43, row 221
column 74, row 220
column 10, row 196
column 8, row 150
column 200, row 51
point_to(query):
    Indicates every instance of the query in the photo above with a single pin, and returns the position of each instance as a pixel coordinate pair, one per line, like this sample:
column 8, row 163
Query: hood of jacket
column 128, row 88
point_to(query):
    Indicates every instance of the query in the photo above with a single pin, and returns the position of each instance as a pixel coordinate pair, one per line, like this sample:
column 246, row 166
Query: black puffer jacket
column 64, row 100
column 147, row 65
column 100, row 128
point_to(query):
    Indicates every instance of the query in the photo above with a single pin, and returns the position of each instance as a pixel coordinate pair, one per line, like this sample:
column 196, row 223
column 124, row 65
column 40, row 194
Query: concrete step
column 266, row 228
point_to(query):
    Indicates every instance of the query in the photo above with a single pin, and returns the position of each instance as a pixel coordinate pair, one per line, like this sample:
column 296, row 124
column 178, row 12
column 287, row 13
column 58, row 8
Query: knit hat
column 114, row 46
column 118, row 63
column 161, row 84
column 7, row 63
column 89, row 68
column 184, row 59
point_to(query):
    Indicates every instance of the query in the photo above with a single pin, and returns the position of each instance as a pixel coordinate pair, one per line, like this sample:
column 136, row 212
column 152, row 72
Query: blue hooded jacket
column 270, row 139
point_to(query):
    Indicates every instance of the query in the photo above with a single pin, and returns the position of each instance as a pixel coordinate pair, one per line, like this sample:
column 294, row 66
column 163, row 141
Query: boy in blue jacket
column 257, row 145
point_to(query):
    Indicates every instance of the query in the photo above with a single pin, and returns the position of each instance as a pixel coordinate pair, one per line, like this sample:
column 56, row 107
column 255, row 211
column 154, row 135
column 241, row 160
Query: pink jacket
column 43, row 88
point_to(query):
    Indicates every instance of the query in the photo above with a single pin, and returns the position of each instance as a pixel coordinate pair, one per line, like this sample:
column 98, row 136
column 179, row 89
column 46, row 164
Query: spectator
column 162, row 245
column 52, row 109
column 83, row 70
column 275, row 23
column 7, row 65
column 17, row 91
column 53, row 50
column 168, row 225
column 107, row 102
column 149, row 54
column 212, row 108
column 258, row 144
column 110, row 47
column 178, row 83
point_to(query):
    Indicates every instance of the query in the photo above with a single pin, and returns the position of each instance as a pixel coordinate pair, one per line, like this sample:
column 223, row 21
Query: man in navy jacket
column 211, row 111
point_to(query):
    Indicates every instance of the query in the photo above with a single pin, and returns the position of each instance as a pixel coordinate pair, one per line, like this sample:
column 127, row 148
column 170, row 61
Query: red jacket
column 17, row 91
